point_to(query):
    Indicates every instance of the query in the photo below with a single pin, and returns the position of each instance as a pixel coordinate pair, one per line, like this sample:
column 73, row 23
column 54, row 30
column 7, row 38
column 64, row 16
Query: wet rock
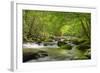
column 75, row 42
column 38, row 42
column 60, row 43
column 29, row 56
column 49, row 43
column 66, row 46
column 79, row 41
column 83, row 47
column 42, row 53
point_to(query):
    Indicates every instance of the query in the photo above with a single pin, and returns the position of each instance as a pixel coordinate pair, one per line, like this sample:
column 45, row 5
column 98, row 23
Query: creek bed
column 33, row 52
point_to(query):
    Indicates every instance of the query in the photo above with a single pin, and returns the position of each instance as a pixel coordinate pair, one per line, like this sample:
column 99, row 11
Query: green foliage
column 50, row 26
column 48, row 23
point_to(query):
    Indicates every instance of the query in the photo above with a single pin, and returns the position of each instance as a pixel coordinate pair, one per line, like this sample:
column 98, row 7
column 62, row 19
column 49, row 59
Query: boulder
column 42, row 53
column 60, row 43
column 30, row 56
column 83, row 47
column 66, row 46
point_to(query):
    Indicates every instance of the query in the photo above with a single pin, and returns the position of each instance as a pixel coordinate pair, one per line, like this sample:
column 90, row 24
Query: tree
column 52, row 23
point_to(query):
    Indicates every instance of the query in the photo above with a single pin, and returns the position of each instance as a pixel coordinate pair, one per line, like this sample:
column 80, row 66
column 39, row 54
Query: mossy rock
column 79, row 41
column 66, row 46
column 61, row 43
column 75, row 41
column 83, row 47
column 29, row 54
column 86, row 43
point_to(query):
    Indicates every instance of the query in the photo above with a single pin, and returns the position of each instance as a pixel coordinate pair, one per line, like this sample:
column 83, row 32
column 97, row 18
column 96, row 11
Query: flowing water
column 38, row 46
column 63, row 54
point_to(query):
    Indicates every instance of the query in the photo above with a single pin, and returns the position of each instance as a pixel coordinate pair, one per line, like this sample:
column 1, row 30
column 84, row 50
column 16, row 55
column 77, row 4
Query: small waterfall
column 41, row 45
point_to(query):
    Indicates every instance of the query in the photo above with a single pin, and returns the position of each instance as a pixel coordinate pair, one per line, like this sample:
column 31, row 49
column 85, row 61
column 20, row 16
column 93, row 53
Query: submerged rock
column 42, row 53
column 31, row 55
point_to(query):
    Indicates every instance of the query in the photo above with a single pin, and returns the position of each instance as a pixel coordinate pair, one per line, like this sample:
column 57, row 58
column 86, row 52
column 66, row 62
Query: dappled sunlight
column 56, row 36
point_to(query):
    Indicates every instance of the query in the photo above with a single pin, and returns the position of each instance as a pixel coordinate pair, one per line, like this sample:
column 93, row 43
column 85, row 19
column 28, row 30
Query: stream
column 64, row 54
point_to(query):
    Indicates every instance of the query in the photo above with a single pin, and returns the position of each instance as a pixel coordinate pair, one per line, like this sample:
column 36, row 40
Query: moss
column 68, row 47
column 79, row 41
column 83, row 47
column 61, row 43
